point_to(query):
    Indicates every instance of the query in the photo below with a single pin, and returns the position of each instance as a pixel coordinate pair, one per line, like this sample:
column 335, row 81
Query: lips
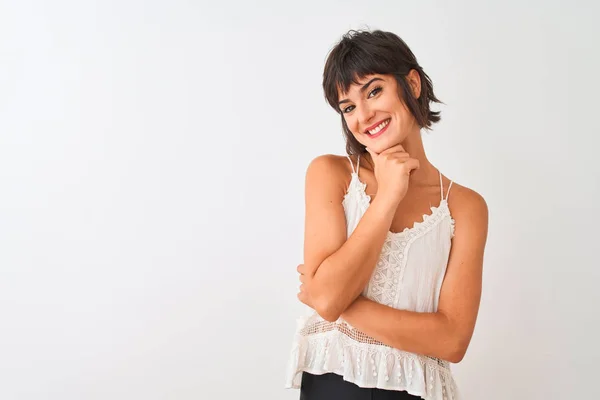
column 379, row 128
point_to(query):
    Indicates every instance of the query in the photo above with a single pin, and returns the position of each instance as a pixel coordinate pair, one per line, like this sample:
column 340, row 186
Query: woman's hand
column 304, row 293
column 392, row 172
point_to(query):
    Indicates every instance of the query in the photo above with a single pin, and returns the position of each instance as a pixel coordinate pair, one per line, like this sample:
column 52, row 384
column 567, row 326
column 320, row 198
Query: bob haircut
column 362, row 53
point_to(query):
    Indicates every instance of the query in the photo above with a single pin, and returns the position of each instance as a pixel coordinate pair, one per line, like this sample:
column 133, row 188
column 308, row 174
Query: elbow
column 456, row 356
column 457, row 351
column 325, row 303
column 330, row 317
column 456, row 341
column 327, row 309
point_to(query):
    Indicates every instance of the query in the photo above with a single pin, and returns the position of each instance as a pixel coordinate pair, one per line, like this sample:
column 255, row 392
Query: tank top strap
column 442, row 188
column 448, row 192
column 354, row 171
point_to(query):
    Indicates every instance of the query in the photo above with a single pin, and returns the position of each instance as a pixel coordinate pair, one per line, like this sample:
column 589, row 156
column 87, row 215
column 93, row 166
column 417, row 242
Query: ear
column 414, row 80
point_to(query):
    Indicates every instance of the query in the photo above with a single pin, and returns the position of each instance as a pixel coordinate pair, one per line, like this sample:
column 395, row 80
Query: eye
column 348, row 109
column 375, row 91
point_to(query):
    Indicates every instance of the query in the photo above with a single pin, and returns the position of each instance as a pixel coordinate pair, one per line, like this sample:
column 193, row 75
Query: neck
column 413, row 145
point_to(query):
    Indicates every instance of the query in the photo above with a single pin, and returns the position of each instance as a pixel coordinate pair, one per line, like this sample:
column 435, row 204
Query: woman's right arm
column 339, row 268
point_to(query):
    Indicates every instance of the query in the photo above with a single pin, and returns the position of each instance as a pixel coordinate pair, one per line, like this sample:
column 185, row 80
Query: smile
column 378, row 129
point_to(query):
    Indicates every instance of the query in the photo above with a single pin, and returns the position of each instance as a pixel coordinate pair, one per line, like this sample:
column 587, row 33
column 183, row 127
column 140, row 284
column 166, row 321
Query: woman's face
column 375, row 114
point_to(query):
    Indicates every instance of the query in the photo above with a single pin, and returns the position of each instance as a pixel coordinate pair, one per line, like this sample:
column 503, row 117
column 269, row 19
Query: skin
column 403, row 185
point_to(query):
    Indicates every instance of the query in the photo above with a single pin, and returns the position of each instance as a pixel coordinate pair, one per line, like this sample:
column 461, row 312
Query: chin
column 384, row 145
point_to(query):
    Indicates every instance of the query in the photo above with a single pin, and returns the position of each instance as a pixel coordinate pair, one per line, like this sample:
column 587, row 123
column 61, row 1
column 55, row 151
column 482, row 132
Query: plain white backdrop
column 152, row 160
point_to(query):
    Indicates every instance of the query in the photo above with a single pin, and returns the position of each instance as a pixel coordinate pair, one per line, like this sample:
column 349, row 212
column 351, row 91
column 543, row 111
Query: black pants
column 334, row 387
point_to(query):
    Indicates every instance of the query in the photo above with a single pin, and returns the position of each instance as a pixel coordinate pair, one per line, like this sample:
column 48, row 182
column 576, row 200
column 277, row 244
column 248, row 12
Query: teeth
column 379, row 127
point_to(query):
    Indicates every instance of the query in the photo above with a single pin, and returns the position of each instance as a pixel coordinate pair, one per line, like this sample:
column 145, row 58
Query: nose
column 365, row 116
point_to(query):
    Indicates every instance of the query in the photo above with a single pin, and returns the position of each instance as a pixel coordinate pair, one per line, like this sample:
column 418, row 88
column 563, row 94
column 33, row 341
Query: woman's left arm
column 444, row 334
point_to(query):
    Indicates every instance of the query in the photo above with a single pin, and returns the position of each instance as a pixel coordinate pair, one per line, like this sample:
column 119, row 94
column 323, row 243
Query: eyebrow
column 362, row 89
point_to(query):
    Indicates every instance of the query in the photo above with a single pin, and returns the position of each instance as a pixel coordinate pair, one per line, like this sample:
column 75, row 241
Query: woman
column 394, row 250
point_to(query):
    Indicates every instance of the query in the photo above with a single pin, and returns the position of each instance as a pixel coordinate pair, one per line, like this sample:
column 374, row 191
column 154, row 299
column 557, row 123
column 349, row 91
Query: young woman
column 393, row 249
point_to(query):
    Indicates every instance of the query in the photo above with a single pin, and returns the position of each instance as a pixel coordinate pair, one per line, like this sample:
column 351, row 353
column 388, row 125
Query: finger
column 302, row 297
column 397, row 156
column 394, row 149
column 411, row 164
column 300, row 269
column 302, row 278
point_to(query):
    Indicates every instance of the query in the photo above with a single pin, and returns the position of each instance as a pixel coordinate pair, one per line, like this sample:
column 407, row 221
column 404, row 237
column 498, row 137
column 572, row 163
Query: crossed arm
column 337, row 269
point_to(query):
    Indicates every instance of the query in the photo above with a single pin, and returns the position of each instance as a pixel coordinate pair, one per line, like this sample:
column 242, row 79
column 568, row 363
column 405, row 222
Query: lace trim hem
column 336, row 347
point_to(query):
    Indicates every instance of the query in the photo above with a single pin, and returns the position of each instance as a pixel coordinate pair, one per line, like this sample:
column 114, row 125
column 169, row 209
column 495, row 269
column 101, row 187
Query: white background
column 152, row 160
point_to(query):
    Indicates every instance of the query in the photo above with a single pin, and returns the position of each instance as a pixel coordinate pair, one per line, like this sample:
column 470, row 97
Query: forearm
column 430, row 334
column 342, row 276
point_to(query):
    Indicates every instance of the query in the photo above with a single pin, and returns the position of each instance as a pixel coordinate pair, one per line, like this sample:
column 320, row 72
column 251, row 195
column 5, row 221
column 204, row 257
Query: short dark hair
column 362, row 53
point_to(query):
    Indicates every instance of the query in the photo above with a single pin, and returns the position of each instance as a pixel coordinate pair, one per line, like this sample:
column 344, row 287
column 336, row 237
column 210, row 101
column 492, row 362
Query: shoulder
column 468, row 208
column 329, row 172
column 331, row 163
column 330, row 167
